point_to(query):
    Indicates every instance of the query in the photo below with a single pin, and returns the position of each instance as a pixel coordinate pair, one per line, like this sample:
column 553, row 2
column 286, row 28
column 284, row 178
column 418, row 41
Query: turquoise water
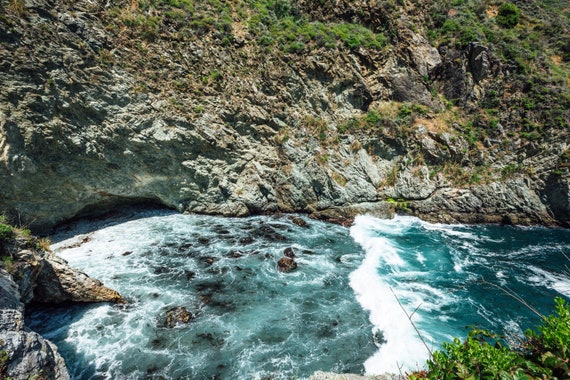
column 337, row 312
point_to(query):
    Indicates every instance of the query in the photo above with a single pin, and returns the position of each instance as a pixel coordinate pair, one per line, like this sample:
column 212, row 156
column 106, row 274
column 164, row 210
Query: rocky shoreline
column 32, row 275
column 104, row 105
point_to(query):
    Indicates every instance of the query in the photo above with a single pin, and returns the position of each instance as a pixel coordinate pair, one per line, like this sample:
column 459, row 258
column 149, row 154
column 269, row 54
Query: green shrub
column 509, row 15
column 550, row 346
column 372, row 118
column 481, row 355
column 543, row 354
column 7, row 262
column 399, row 205
column 6, row 232
column 4, row 357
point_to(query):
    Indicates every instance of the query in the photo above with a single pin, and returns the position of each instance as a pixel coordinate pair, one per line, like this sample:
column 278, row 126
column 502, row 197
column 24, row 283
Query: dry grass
column 18, row 7
column 388, row 109
column 44, row 244
column 556, row 59
column 435, row 125
column 339, row 178
column 492, row 11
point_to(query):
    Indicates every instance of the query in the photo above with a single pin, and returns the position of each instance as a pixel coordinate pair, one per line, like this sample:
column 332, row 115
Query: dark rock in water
column 279, row 237
column 300, row 222
column 279, row 226
column 208, row 260
column 189, row 274
column 127, row 253
column 161, row 269
column 289, row 252
column 265, row 232
column 203, row 240
column 209, row 287
column 268, row 232
column 185, row 246
column 378, row 338
column 176, row 316
column 286, row 264
column 246, row 240
column 235, row 254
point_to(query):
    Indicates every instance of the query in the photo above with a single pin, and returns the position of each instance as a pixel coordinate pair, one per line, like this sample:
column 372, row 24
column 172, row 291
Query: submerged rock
column 289, row 252
column 300, row 222
column 286, row 264
column 176, row 316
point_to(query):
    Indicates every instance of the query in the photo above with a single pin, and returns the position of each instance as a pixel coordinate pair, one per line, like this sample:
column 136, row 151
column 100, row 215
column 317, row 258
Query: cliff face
column 25, row 353
column 30, row 274
column 232, row 108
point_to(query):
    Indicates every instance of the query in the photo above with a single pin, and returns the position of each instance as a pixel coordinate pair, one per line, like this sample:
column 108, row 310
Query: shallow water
column 252, row 321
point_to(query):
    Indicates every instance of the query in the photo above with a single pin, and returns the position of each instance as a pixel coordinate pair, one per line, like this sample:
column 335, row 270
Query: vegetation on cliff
column 8, row 234
column 425, row 96
column 543, row 354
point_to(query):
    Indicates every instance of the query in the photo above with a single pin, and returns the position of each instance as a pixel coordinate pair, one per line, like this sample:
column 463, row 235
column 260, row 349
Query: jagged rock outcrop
column 27, row 354
column 94, row 115
column 57, row 282
column 43, row 277
column 37, row 276
column 511, row 202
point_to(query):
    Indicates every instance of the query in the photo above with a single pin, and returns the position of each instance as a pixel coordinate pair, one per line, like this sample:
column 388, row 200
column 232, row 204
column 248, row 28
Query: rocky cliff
column 238, row 108
column 30, row 274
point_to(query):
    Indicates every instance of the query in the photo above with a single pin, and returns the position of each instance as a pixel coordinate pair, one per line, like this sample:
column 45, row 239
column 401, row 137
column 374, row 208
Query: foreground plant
column 542, row 354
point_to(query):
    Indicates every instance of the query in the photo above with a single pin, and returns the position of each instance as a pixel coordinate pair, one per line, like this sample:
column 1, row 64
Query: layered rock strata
column 233, row 131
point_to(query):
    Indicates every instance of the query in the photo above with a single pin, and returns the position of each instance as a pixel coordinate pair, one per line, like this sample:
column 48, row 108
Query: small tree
column 509, row 15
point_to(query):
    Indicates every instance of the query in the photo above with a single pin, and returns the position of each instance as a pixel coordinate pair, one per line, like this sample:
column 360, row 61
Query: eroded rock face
column 512, row 202
column 58, row 283
column 43, row 277
column 40, row 277
column 28, row 354
column 82, row 131
column 31, row 355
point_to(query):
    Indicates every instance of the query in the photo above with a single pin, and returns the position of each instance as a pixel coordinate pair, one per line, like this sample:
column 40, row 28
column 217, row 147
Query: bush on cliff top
column 509, row 15
column 543, row 354
column 6, row 233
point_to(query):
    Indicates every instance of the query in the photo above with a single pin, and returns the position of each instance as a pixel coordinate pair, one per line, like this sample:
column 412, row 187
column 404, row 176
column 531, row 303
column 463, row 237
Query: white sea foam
column 557, row 281
column 146, row 260
column 403, row 349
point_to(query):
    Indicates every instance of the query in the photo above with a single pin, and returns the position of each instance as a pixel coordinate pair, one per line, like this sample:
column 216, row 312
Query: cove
column 336, row 312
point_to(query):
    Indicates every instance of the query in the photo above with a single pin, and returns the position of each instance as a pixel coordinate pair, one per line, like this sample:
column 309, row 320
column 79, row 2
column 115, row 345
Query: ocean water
column 339, row 311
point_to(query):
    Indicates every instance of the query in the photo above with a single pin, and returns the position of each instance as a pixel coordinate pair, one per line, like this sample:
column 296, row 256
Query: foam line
column 403, row 349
